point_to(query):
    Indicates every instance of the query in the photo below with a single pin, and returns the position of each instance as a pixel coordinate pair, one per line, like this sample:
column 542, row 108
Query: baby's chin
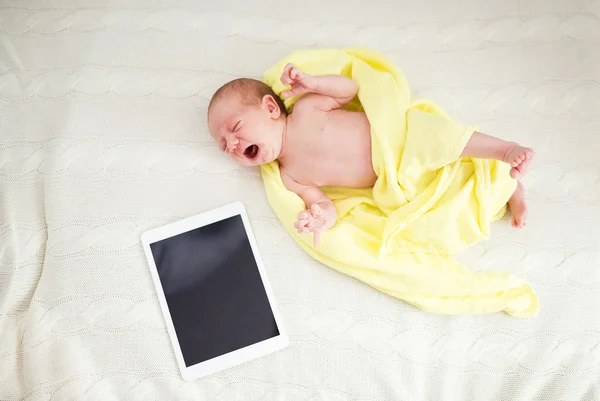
column 253, row 162
column 264, row 157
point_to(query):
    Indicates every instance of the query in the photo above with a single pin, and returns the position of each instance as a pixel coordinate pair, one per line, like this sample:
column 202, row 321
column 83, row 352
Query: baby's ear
column 271, row 106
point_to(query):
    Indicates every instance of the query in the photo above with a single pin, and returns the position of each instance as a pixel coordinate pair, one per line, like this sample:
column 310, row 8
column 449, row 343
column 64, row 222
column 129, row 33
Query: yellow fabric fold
column 427, row 203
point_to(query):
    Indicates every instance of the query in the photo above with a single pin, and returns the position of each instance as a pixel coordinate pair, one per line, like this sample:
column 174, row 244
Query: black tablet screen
column 213, row 289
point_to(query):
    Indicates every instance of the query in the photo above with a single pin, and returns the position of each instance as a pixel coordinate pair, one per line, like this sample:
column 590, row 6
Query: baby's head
column 247, row 119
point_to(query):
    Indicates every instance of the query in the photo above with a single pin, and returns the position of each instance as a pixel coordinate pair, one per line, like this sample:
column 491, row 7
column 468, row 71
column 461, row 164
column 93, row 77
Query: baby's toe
column 519, row 221
column 529, row 156
column 525, row 165
column 300, row 224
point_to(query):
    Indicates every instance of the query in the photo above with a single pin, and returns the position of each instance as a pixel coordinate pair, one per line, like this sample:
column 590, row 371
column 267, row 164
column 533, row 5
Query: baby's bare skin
column 330, row 148
column 320, row 145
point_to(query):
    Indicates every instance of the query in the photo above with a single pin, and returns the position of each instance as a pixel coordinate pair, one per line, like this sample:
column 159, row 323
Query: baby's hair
column 250, row 91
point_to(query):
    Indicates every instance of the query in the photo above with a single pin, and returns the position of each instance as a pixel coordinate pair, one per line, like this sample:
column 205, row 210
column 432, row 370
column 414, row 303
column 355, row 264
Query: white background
column 103, row 136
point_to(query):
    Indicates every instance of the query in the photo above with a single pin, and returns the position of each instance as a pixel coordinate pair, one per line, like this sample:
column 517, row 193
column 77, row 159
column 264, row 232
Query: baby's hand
column 315, row 220
column 298, row 80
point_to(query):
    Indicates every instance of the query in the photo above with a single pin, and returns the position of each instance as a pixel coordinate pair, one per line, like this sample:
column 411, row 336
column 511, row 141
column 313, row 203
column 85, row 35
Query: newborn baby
column 319, row 144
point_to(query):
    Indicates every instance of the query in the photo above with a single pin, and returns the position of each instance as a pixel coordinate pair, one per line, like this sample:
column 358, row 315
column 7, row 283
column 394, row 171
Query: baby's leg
column 518, row 207
column 483, row 146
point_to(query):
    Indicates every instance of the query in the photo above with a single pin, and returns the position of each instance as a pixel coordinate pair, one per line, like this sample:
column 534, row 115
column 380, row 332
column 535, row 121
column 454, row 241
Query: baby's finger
column 315, row 209
column 287, row 94
column 317, row 237
column 285, row 79
column 303, row 215
column 288, row 67
column 301, row 223
column 295, row 73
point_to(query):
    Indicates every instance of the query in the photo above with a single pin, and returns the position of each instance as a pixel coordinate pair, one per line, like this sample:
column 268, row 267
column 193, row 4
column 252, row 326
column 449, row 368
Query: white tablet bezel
column 232, row 358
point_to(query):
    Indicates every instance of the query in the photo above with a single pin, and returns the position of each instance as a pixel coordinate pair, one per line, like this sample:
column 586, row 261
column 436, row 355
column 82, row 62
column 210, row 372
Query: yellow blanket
column 427, row 203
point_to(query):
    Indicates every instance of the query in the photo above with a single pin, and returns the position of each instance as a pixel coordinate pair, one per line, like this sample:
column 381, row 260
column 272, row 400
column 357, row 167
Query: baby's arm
column 339, row 88
column 320, row 214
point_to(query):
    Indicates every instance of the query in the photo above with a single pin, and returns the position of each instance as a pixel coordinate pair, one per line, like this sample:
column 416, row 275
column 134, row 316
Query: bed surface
column 103, row 136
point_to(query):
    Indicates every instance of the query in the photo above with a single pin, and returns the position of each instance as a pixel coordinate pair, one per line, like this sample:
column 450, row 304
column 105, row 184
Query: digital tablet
column 214, row 294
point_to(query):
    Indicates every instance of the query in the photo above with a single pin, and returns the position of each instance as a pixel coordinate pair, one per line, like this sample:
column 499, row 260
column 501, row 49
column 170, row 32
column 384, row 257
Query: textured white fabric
column 103, row 135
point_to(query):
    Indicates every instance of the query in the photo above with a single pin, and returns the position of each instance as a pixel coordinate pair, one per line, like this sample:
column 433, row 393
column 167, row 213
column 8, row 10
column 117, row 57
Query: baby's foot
column 518, row 207
column 519, row 158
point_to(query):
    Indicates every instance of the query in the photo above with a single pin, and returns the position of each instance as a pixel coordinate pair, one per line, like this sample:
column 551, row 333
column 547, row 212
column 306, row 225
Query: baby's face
column 251, row 135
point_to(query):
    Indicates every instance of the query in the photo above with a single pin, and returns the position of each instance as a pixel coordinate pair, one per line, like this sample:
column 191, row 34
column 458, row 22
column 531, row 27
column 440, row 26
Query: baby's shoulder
column 309, row 103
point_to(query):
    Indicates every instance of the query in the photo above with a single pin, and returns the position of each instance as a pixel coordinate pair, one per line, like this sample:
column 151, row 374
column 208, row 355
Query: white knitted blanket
column 103, row 135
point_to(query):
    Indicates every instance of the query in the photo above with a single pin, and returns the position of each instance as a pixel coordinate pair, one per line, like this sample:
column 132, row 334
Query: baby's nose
column 232, row 143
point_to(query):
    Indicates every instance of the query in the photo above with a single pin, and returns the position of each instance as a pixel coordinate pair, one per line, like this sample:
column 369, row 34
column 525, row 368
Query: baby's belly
column 350, row 174
column 340, row 155
column 353, row 177
column 350, row 161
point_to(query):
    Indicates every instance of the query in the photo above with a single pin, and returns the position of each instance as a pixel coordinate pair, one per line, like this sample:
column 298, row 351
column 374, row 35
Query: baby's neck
column 284, row 136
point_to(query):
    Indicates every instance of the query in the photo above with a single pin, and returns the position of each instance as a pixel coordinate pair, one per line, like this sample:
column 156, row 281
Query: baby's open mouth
column 251, row 151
